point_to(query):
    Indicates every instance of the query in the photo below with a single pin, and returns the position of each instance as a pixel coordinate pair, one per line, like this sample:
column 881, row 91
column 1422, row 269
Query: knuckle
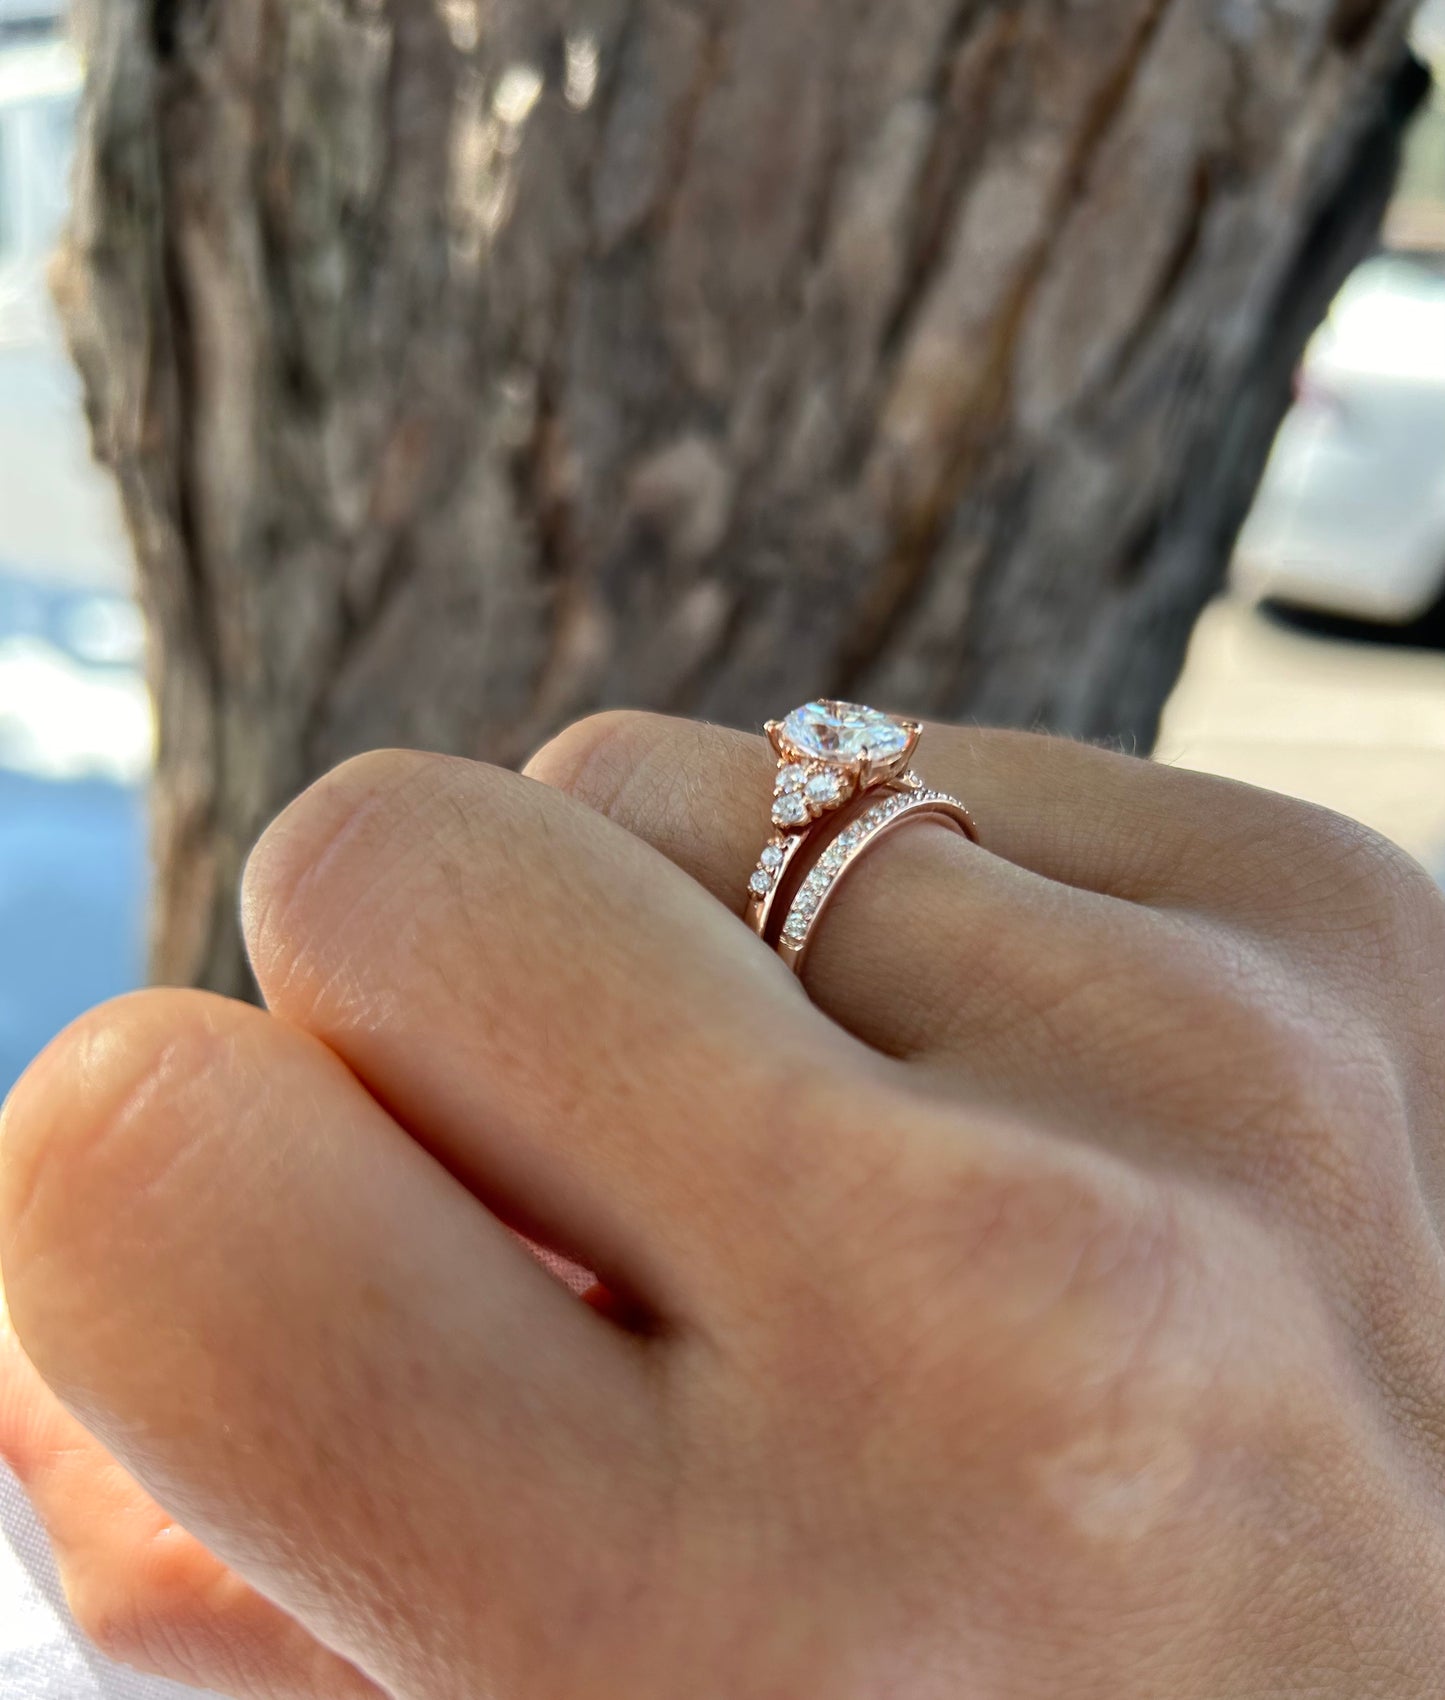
column 1291, row 1085
column 1067, row 1229
column 594, row 760
column 1056, row 1312
column 1078, row 1281
column 1311, row 1107
column 1033, row 1239
column 149, row 1614
column 106, row 1614
column 100, row 1118
column 1365, row 884
column 1210, row 1031
column 324, row 851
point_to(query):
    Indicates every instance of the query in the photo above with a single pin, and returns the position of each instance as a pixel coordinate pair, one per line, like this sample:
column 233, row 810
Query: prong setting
column 829, row 755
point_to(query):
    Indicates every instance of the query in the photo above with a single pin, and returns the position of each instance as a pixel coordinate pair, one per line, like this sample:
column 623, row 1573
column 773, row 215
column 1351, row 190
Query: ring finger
column 1007, row 964
column 912, row 974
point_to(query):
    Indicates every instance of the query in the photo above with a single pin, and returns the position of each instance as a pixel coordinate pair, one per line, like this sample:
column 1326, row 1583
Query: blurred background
column 1320, row 672
column 75, row 722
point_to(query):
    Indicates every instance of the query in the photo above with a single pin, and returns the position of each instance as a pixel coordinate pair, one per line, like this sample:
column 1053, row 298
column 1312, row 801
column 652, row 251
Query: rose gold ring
column 844, row 781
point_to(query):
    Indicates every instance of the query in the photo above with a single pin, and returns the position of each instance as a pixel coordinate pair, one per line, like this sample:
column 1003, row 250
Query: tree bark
column 466, row 366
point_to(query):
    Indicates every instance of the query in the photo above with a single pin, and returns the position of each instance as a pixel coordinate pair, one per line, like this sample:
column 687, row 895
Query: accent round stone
column 844, row 732
column 760, row 884
column 772, row 856
column 826, row 787
column 790, row 809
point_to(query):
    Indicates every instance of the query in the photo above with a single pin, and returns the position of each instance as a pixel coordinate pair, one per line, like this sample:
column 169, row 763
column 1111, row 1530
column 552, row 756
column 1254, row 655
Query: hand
column 1052, row 1307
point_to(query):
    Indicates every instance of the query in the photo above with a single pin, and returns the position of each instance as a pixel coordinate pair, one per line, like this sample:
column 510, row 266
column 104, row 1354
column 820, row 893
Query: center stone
column 844, row 732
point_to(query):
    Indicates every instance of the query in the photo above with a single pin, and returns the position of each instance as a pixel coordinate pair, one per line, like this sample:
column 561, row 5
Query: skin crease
column 1048, row 1302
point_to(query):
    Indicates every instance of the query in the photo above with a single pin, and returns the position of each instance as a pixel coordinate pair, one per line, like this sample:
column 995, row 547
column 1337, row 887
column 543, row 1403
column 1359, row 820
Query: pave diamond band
column 843, row 780
column 848, row 848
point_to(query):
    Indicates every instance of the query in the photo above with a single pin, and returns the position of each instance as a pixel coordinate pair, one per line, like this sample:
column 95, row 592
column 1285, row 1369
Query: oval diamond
column 844, row 732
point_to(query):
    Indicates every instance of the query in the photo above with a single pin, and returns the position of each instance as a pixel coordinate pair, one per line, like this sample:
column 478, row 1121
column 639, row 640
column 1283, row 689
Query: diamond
column 773, row 857
column 826, row 787
column 790, row 810
column 844, row 732
column 761, row 883
column 791, row 777
column 797, row 926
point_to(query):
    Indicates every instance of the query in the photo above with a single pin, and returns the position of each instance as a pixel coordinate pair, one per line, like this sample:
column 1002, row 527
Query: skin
column 1048, row 1302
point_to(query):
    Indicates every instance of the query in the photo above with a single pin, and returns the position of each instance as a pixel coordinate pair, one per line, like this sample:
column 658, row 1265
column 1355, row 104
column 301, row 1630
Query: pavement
column 1356, row 727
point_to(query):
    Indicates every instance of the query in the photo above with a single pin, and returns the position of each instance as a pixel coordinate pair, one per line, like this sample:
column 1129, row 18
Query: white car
column 1350, row 516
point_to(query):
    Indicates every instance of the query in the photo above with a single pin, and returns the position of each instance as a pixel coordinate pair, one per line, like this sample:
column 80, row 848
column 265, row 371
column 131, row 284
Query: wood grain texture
column 469, row 364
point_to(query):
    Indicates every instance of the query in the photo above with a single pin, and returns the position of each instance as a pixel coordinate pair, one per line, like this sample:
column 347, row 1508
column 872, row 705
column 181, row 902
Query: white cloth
column 43, row 1656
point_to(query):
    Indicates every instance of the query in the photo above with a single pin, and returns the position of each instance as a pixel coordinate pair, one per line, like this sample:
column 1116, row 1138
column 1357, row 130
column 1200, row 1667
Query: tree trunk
column 468, row 366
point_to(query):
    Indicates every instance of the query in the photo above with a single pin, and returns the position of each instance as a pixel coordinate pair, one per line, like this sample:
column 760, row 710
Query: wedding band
column 843, row 782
